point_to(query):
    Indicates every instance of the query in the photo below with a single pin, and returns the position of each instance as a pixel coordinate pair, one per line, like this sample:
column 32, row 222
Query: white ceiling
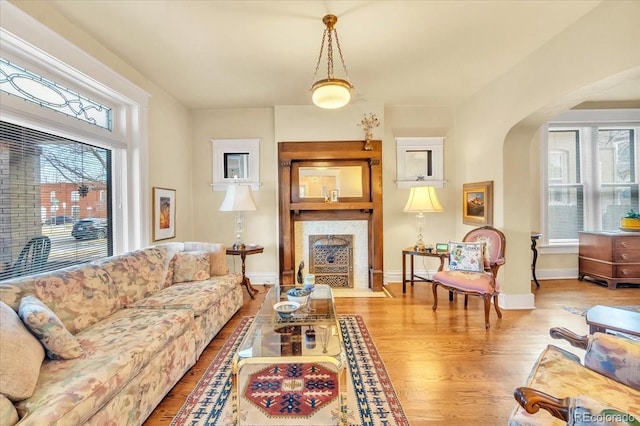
column 238, row 54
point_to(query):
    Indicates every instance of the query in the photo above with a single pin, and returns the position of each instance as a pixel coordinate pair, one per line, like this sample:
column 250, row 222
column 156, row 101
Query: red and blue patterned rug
column 297, row 394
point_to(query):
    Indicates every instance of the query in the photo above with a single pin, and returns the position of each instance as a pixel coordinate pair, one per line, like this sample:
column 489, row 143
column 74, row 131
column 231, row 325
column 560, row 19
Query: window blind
column 55, row 202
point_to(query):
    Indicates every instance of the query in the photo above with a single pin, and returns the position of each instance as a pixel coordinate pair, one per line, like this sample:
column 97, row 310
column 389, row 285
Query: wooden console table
column 243, row 253
column 612, row 257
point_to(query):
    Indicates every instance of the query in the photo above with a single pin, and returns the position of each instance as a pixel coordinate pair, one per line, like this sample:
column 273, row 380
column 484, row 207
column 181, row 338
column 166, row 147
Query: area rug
column 582, row 310
column 371, row 398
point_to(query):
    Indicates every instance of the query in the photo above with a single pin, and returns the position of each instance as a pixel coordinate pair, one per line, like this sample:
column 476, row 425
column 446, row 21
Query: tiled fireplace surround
column 357, row 228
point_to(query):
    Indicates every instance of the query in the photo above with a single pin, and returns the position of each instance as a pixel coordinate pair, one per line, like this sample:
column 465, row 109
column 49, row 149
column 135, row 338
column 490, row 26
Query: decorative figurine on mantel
column 368, row 123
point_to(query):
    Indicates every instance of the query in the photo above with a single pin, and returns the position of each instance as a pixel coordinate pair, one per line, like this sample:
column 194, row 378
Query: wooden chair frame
column 492, row 270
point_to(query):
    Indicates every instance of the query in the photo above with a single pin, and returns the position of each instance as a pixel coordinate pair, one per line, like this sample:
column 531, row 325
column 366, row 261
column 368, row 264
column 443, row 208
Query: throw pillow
column 49, row 329
column 466, row 257
column 8, row 412
column 218, row 259
column 191, row 266
column 21, row 356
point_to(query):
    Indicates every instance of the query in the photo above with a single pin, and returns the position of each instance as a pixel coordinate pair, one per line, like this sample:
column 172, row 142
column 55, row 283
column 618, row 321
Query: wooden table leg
column 404, row 273
column 245, row 280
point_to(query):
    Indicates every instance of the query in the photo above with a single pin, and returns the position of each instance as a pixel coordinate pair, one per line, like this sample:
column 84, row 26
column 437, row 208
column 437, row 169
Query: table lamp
column 238, row 199
column 422, row 199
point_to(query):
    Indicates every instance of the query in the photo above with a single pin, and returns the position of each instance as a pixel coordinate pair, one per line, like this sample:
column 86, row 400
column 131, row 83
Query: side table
column 411, row 252
column 243, row 253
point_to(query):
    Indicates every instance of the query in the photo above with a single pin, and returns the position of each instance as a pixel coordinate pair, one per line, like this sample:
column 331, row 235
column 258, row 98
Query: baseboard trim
column 516, row 301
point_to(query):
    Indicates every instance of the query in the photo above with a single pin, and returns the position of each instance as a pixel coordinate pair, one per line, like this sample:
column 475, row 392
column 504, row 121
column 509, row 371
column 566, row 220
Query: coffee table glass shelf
column 310, row 336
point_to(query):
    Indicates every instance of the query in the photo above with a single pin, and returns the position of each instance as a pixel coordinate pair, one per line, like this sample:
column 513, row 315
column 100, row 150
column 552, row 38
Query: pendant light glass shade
column 331, row 92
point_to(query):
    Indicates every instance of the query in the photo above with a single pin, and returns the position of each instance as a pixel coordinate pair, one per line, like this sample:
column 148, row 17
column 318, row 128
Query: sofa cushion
column 50, row 331
column 466, row 257
column 80, row 295
column 559, row 373
column 115, row 350
column 8, row 412
column 139, row 273
column 614, row 357
column 191, row 266
column 217, row 252
column 197, row 296
column 21, row 356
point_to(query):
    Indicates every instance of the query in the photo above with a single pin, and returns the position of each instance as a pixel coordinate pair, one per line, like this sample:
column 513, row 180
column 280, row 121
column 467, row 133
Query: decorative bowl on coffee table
column 286, row 309
column 298, row 295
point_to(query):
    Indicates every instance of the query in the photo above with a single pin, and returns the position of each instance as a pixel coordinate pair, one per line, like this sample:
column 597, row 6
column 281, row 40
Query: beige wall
column 500, row 122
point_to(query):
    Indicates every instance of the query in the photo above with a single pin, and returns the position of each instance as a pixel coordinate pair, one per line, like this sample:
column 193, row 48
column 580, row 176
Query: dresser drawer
column 626, row 256
column 626, row 243
column 627, row 271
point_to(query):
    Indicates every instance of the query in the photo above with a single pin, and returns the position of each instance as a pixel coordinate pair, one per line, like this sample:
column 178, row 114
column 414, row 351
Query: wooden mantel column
column 293, row 207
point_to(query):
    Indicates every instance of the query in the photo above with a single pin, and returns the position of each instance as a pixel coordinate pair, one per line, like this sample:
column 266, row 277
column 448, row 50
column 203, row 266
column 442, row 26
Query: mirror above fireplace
column 317, row 180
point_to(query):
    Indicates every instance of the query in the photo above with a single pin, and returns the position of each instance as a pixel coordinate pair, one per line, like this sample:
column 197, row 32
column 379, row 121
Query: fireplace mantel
column 367, row 207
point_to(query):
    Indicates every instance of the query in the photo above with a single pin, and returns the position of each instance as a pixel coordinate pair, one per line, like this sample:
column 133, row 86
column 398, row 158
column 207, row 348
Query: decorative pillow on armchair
column 466, row 256
column 191, row 266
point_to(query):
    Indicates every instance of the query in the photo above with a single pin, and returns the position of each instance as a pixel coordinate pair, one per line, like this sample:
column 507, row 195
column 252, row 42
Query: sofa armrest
column 533, row 400
column 574, row 339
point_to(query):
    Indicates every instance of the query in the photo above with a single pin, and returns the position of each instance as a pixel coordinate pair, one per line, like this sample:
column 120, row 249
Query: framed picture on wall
column 477, row 203
column 164, row 213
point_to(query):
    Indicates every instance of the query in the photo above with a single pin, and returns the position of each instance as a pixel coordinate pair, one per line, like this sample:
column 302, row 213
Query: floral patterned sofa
column 118, row 333
column 604, row 390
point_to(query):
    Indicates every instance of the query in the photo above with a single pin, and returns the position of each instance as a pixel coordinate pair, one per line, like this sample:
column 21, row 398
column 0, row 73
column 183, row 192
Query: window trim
column 583, row 119
column 67, row 64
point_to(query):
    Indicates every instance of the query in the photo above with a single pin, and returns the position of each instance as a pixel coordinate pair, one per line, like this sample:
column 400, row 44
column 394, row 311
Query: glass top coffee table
column 292, row 369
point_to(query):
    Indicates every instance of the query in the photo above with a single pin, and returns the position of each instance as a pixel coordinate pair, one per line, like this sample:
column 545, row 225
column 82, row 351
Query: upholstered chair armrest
column 574, row 339
column 576, row 411
column 500, row 261
column 615, row 357
column 533, row 400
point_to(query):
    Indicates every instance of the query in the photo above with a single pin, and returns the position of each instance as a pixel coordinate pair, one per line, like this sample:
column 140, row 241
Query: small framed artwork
column 333, row 196
column 477, row 203
column 164, row 213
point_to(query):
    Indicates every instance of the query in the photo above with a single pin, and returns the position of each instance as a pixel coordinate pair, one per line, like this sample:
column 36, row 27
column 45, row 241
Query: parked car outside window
column 59, row 220
column 90, row 228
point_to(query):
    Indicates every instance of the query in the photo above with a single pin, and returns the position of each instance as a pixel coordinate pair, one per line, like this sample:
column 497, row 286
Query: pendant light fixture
column 331, row 92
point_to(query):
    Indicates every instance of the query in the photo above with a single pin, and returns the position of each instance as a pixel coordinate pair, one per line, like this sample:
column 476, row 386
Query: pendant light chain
column 319, row 56
column 344, row 67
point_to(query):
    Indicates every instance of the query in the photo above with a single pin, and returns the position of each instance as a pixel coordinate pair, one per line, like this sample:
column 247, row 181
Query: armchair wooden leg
column 487, row 308
column 435, row 295
column 495, row 304
column 466, row 301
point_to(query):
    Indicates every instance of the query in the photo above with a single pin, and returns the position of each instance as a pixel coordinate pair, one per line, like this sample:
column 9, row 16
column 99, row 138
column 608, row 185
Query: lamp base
column 419, row 245
column 239, row 246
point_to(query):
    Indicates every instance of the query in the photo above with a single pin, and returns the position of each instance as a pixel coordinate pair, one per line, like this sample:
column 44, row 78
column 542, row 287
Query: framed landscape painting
column 164, row 213
column 477, row 203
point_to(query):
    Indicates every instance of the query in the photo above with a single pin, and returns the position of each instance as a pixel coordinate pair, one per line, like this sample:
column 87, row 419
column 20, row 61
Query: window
column 591, row 177
column 110, row 126
column 42, row 173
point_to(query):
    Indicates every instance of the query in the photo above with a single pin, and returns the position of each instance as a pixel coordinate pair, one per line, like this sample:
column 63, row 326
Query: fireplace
column 331, row 259
column 354, row 209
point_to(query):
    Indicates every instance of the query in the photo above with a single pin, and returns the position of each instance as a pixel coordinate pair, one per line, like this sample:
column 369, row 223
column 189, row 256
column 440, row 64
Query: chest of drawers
column 612, row 257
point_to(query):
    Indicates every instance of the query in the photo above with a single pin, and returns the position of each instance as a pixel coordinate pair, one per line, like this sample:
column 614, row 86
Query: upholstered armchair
column 473, row 268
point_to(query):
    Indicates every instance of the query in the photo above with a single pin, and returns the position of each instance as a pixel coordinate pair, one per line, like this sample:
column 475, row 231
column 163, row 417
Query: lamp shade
column 331, row 93
column 238, row 198
column 423, row 199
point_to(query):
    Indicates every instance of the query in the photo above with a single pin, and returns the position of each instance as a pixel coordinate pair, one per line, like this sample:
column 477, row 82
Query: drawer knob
column 625, row 272
column 623, row 243
column 624, row 256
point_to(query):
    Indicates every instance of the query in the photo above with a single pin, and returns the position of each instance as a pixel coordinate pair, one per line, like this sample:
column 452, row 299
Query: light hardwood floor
column 445, row 368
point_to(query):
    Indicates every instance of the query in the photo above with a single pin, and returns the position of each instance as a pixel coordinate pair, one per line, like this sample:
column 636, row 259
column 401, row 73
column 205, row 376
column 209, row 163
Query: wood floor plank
column 446, row 369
